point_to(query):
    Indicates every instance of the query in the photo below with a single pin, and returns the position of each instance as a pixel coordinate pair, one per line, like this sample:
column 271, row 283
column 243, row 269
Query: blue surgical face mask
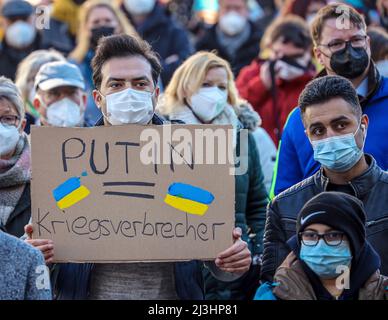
column 324, row 260
column 338, row 153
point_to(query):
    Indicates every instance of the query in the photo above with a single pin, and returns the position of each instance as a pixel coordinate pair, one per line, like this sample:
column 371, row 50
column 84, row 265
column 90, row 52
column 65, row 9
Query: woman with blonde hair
column 202, row 91
column 98, row 18
column 25, row 77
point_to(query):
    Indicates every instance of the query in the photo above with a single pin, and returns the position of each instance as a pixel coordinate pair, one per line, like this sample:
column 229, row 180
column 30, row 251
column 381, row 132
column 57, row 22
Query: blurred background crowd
column 245, row 33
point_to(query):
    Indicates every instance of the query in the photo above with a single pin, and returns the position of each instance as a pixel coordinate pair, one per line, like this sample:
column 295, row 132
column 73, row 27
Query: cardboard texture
column 95, row 198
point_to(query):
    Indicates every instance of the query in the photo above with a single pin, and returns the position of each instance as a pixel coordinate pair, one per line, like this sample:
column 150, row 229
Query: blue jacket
column 22, row 270
column 92, row 112
column 295, row 160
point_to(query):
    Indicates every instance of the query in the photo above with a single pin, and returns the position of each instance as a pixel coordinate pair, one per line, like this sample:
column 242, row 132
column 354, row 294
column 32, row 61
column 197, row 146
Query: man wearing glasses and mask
column 342, row 46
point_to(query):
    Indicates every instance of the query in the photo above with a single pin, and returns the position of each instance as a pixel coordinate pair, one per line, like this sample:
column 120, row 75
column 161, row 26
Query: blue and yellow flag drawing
column 188, row 198
column 70, row 192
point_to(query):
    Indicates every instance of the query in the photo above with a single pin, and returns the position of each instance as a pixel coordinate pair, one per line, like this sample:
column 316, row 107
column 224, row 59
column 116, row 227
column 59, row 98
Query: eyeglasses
column 311, row 238
column 9, row 120
column 338, row 45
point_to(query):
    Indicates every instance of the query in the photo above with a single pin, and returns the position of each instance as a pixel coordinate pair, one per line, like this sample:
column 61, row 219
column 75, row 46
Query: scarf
column 228, row 116
column 14, row 174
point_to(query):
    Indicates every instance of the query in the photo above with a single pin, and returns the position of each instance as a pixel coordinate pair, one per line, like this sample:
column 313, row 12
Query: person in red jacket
column 273, row 86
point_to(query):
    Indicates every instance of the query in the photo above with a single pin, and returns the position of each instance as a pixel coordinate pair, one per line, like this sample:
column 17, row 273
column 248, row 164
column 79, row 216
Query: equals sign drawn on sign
column 129, row 194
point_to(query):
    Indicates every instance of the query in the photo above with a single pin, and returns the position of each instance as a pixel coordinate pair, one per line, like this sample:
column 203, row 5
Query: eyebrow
column 122, row 79
column 340, row 118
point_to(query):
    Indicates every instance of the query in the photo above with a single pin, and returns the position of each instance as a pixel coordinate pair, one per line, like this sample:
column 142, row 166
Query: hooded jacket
column 293, row 279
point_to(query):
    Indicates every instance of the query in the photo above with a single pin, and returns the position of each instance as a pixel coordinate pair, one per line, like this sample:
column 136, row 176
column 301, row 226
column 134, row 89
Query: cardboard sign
column 109, row 194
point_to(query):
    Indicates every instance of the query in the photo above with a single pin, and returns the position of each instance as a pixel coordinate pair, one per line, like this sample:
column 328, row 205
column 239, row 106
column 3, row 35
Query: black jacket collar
column 361, row 184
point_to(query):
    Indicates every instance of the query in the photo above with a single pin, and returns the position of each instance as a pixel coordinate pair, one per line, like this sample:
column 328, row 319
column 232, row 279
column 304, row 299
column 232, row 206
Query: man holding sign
column 125, row 74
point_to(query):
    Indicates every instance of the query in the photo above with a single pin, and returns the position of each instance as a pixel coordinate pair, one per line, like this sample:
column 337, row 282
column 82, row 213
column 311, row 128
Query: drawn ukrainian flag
column 188, row 198
column 70, row 192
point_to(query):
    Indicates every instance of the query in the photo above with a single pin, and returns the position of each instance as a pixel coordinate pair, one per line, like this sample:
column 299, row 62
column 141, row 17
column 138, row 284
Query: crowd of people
column 306, row 79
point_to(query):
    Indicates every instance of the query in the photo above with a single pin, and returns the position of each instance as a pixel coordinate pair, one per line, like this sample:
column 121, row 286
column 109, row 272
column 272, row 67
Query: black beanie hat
column 338, row 210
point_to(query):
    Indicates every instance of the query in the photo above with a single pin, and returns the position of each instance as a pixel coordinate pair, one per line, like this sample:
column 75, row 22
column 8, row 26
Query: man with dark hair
column 273, row 86
column 336, row 128
column 125, row 69
column 342, row 46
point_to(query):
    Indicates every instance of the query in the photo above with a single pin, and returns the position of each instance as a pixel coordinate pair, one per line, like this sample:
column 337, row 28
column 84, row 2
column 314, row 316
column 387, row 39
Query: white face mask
column 9, row 137
column 208, row 103
column 139, row 7
column 287, row 71
column 232, row 23
column 129, row 106
column 20, row 34
column 64, row 113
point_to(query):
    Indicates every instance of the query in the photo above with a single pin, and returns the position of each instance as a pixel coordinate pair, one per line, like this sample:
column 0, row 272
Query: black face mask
column 349, row 62
column 98, row 33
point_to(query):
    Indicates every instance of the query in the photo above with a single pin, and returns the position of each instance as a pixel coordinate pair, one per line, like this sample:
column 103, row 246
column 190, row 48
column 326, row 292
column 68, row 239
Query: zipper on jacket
column 354, row 189
column 373, row 222
column 288, row 219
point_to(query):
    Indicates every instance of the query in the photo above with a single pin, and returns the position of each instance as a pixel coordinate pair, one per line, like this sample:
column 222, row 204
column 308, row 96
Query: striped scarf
column 14, row 174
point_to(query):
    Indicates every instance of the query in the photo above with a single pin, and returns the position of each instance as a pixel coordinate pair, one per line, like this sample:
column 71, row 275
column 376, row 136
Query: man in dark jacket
column 337, row 129
column 21, row 36
column 156, row 27
column 126, row 68
column 235, row 38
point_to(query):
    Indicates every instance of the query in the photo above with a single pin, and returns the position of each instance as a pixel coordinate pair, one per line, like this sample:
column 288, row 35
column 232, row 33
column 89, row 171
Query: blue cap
column 58, row 74
column 17, row 8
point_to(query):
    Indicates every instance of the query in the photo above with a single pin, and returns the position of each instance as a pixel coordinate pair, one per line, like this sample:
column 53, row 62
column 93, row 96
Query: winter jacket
column 250, row 203
column 251, row 200
column 245, row 54
column 251, row 88
column 166, row 37
column 22, row 270
column 11, row 57
column 251, row 120
column 92, row 112
column 295, row 160
column 371, row 188
column 20, row 216
column 294, row 281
